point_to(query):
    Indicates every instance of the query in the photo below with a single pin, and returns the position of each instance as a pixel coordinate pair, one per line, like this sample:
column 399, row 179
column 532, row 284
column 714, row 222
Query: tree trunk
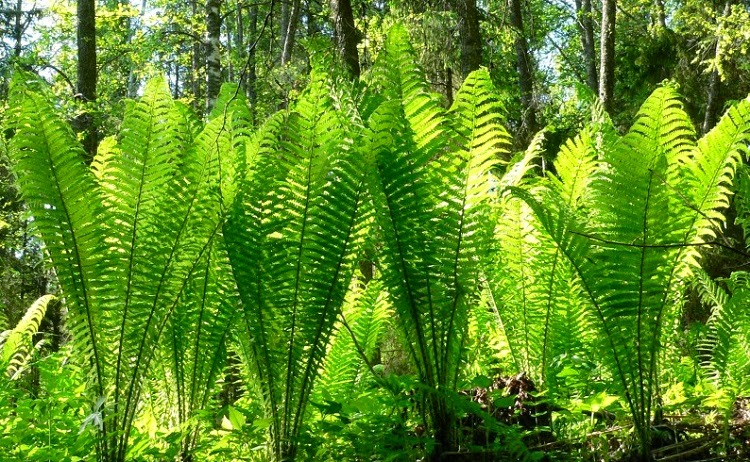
column 241, row 47
column 291, row 32
column 283, row 21
column 18, row 29
column 252, row 76
column 346, row 34
column 525, row 74
column 607, row 77
column 585, row 22
column 470, row 33
column 87, row 72
column 661, row 15
column 448, row 79
column 714, row 80
column 213, row 52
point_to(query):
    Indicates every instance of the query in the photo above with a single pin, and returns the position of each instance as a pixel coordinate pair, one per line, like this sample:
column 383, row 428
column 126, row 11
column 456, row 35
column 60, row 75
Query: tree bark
column 18, row 29
column 661, row 15
column 252, row 76
column 346, row 34
column 291, row 32
column 283, row 21
column 87, row 72
column 525, row 74
column 714, row 80
column 585, row 24
column 213, row 52
column 470, row 33
column 607, row 69
column 241, row 47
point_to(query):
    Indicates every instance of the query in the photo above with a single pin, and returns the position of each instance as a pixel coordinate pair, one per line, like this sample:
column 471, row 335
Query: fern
column 726, row 360
column 291, row 235
column 634, row 246
column 742, row 201
column 15, row 345
column 199, row 329
column 125, row 240
column 55, row 185
column 431, row 191
column 725, row 347
column 534, row 288
column 365, row 318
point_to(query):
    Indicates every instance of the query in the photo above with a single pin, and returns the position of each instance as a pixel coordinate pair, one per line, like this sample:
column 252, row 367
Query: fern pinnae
column 194, row 224
column 144, row 356
column 382, row 142
column 199, row 228
column 63, row 198
column 482, row 139
column 710, row 174
column 350, row 181
column 134, row 150
column 155, row 169
column 244, row 228
column 14, row 344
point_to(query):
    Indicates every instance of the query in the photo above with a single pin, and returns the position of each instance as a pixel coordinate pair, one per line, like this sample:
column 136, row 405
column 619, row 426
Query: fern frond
column 15, row 347
column 67, row 207
column 709, row 174
column 290, row 241
column 366, row 316
column 533, row 286
column 431, row 191
column 126, row 240
column 726, row 344
column 742, row 201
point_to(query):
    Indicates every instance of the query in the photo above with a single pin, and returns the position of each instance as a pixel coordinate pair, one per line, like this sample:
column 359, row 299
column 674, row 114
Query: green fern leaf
column 290, row 239
column 15, row 347
column 726, row 344
column 366, row 315
column 62, row 196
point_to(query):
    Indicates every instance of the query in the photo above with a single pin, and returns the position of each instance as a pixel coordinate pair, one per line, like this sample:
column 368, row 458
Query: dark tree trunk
column 585, row 22
column 449, row 86
column 18, row 29
column 525, row 73
column 213, row 51
column 87, row 72
column 714, row 83
column 252, row 76
column 607, row 77
column 470, row 33
column 346, row 34
column 291, row 32
column 241, row 47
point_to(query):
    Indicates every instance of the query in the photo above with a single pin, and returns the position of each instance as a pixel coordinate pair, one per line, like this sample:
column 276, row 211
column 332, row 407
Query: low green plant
column 46, row 426
column 655, row 196
column 16, row 345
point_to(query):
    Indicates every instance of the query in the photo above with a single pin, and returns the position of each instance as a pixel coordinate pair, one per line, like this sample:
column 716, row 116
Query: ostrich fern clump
column 656, row 193
column 126, row 237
